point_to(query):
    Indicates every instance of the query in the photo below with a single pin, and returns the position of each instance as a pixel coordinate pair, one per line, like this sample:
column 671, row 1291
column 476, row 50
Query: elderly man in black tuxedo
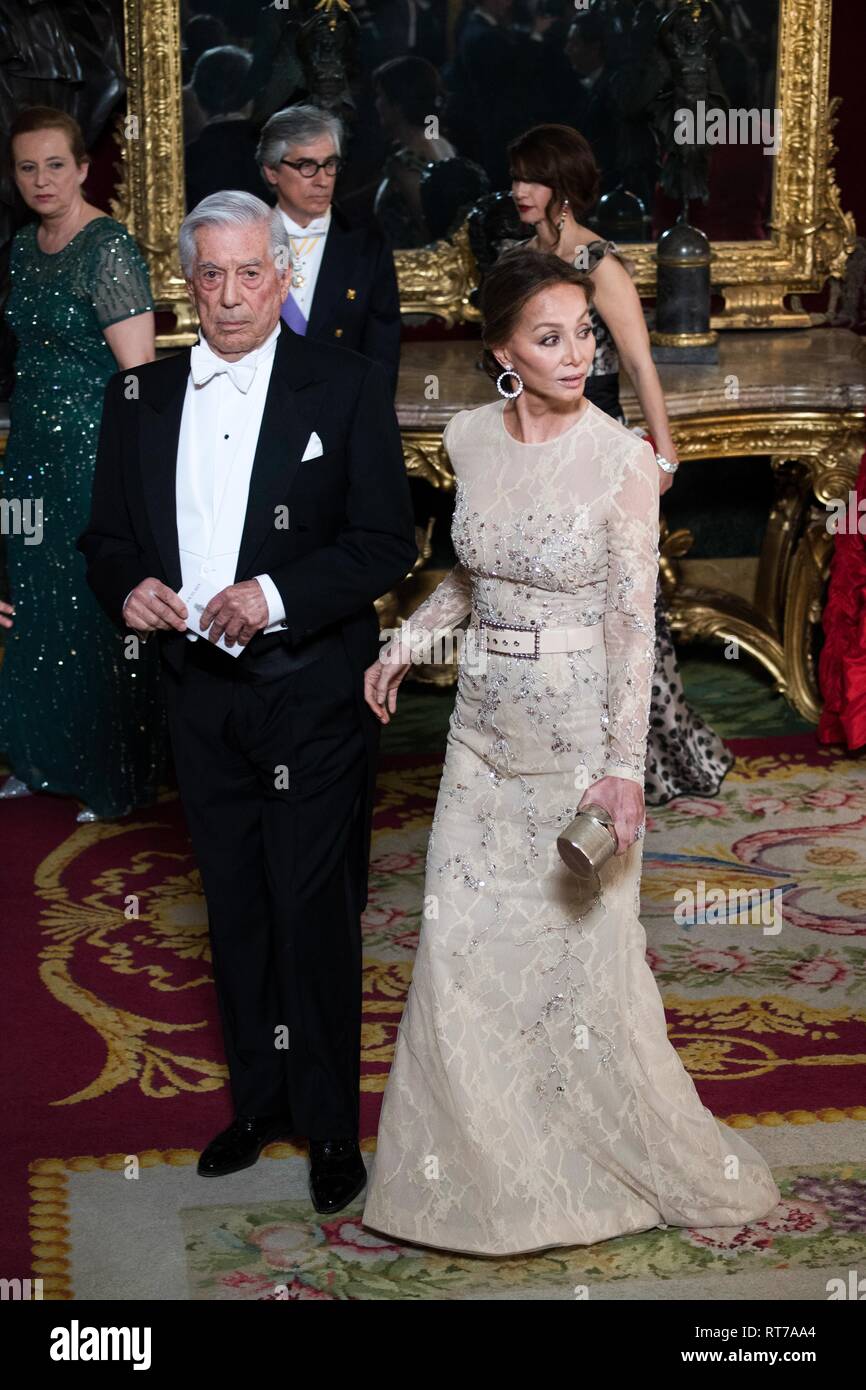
column 343, row 284
column 250, row 502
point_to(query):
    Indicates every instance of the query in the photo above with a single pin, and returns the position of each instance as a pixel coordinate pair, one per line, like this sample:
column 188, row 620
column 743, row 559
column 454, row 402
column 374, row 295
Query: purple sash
column 292, row 314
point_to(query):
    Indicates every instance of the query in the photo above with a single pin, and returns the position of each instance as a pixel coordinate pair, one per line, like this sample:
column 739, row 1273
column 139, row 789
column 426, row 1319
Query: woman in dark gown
column 79, row 704
column 554, row 179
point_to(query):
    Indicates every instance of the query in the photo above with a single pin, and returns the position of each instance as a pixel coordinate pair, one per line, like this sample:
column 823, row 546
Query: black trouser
column 271, row 766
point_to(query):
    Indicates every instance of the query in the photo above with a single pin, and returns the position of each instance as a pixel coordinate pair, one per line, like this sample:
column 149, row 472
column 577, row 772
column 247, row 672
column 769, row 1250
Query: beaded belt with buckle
column 531, row 642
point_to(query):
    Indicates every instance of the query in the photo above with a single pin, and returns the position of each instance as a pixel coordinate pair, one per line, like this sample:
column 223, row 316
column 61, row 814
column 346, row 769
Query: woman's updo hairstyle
column 50, row 118
column 507, row 289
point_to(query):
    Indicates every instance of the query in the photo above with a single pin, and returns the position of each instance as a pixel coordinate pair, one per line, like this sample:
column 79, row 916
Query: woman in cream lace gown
column 534, row 1099
column 555, row 182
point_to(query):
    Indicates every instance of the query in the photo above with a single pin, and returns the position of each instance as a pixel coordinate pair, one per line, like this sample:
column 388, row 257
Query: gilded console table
column 798, row 397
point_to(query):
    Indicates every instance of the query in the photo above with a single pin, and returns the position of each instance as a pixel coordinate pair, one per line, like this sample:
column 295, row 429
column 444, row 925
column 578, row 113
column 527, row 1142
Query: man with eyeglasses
column 343, row 285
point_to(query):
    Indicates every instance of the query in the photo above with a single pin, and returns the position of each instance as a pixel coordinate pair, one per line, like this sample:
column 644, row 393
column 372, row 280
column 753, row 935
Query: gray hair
column 236, row 209
column 297, row 125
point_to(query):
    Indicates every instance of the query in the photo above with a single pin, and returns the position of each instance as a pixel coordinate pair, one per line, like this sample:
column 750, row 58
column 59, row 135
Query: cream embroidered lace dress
column 534, row 1098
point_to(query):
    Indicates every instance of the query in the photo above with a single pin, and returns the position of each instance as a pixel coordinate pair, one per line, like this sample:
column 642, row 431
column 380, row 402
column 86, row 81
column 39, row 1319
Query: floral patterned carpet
column 274, row 1251
column 122, row 1079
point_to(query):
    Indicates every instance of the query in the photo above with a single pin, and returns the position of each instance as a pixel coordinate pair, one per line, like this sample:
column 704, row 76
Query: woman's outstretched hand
column 381, row 683
column 623, row 799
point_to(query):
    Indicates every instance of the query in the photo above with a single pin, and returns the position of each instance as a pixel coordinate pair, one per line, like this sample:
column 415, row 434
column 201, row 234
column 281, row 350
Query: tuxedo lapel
column 335, row 274
column 292, row 408
column 160, row 430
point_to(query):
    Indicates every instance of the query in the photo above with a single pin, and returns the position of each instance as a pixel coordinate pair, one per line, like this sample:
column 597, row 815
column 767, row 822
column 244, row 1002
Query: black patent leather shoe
column 239, row 1146
column 337, row 1173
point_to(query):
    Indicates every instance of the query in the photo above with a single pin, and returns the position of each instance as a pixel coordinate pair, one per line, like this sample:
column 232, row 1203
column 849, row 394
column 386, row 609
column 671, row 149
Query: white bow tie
column 204, row 364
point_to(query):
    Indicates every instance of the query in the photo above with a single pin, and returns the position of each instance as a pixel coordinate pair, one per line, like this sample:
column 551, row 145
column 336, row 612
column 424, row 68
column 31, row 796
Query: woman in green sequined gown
column 78, row 717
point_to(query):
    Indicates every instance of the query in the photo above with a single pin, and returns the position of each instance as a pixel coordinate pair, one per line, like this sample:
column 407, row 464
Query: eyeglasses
column 308, row 168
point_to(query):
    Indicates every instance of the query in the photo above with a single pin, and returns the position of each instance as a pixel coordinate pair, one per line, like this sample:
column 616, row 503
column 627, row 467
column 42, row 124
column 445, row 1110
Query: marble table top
column 781, row 369
column 790, row 369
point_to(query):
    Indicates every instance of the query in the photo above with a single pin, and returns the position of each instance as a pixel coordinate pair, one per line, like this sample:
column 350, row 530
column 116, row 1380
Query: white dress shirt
column 308, row 248
column 219, row 431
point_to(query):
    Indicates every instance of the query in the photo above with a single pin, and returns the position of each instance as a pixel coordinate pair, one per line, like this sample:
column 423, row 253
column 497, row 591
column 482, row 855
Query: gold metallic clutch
column 587, row 844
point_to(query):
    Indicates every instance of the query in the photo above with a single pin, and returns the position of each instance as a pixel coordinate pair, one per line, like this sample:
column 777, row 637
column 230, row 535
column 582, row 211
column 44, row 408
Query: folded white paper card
column 313, row 449
column 197, row 596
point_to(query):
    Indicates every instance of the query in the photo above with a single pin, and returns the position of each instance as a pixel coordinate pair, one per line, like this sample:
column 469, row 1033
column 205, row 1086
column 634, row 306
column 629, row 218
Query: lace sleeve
column 432, row 623
column 629, row 621
column 120, row 286
column 450, row 602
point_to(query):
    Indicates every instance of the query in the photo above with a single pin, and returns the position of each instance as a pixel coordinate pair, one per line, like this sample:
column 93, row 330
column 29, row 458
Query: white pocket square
column 313, row 449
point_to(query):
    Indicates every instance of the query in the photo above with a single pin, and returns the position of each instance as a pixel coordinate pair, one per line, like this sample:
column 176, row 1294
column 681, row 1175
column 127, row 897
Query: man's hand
column 623, row 799
column 153, row 606
column 236, row 613
column 7, row 612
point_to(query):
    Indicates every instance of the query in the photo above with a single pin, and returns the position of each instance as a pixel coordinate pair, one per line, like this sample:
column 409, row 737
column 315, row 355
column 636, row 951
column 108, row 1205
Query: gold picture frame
column 811, row 235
